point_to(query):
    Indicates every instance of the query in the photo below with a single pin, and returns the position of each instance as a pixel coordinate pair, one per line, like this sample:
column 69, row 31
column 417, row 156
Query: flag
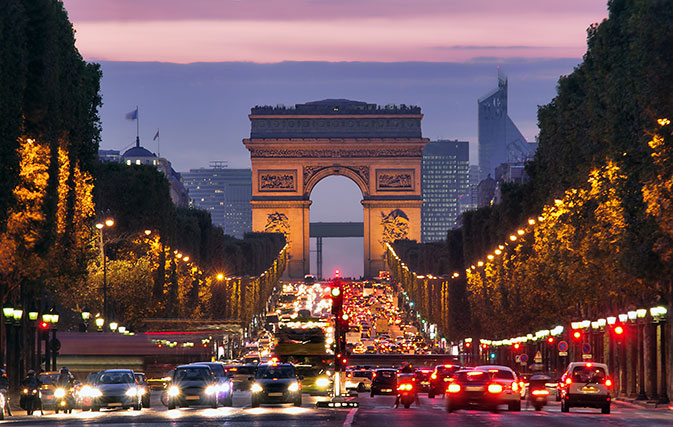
column 133, row 115
column 156, row 135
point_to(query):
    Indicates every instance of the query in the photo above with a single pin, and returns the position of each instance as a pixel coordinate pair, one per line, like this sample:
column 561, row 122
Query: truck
column 305, row 348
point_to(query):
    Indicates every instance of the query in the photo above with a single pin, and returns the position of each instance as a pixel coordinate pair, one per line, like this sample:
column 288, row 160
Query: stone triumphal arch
column 378, row 148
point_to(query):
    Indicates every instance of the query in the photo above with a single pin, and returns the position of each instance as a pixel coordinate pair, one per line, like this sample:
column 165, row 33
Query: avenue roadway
column 377, row 411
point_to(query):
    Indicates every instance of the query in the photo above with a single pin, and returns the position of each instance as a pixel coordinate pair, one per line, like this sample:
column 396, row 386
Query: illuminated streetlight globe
column 100, row 322
column 109, row 222
column 148, row 232
column 100, row 225
column 113, row 326
column 220, row 276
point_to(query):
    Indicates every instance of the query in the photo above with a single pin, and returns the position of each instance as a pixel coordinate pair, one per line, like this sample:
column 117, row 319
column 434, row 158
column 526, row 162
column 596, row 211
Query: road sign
column 562, row 353
column 586, row 348
column 562, row 346
column 538, row 357
column 517, row 359
column 523, row 358
column 587, row 356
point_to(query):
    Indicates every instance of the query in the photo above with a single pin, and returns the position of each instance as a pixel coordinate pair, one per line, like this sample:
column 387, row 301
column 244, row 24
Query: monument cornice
column 336, row 117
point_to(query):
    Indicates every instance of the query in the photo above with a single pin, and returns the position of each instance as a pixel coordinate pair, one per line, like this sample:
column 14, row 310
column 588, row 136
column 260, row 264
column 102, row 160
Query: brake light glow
column 433, row 376
column 540, row 392
column 493, row 370
column 453, row 388
column 473, row 373
column 589, row 365
column 494, row 388
column 568, row 381
column 405, row 386
column 448, row 366
column 515, row 386
column 608, row 382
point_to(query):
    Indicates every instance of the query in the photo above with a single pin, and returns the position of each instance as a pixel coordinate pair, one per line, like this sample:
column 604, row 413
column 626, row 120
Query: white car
column 360, row 380
column 586, row 385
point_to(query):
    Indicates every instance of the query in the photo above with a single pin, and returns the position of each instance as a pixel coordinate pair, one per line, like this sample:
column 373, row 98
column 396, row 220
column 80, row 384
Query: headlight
column 59, row 393
column 210, row 390
column 173, row 391
column 322, row 382
column 25, row 391
column 256, row 388
column 293, row 387
column 88, row 391
column 225, row 387
column 132, row 392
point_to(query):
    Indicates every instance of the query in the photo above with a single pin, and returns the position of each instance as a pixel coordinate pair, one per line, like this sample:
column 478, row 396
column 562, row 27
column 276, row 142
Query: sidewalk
column 647, row 404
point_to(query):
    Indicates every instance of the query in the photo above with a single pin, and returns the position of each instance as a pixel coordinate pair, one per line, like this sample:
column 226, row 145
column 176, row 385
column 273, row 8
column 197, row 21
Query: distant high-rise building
column 445, row 176
column 500, row 141
column 225, row 193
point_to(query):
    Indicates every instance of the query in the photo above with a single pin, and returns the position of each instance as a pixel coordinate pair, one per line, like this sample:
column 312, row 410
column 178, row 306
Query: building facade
column 225, row 193
column 445, row 187
column 500, row 141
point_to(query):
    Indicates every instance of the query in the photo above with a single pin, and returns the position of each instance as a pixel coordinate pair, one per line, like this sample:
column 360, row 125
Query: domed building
column 139, row 156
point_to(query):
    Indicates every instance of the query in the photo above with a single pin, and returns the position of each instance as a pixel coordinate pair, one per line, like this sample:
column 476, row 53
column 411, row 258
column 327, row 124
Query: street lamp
column 86, row 315
column 113, row 326
column 99, row 322
column 108, row 222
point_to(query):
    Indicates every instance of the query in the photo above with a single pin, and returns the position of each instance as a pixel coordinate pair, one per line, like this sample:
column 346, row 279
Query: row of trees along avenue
column 163, row 261
column 600, row 196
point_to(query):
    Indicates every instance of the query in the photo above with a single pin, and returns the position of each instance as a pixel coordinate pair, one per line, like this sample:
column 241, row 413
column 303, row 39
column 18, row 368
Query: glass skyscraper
column 445, row 181
column 225, row 193
column 500, row 141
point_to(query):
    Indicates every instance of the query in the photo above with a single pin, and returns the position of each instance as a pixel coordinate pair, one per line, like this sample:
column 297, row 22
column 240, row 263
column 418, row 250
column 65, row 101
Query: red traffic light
column 336, row 273
column 577, row 335
column 516, row 345
column 484, row 346
column 44, row 325
column 468, row 344
column 550, row 340
column 619, row 330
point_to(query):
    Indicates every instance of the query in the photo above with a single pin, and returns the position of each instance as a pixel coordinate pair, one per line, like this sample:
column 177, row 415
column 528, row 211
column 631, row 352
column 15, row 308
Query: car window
column 472, row 376
column 362, row 374
column 583, row 374
column 502, row 375
column 266, row 372
column 192, row 374
column 217, row 369
column 386, row 374
column 116, row 378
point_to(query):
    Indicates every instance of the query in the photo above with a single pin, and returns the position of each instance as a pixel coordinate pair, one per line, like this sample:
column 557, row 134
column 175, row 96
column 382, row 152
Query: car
column 192, row 385
column 141, row 379
column 276, row 383
column 114, row 388
column 384, row 381
column 225, row 392
column 48, row 380
column 423, row 379
column 316, row 380
column 240, row 374
column 586, row 385
column 359, row 379
column 440, row 378
column 487, row 386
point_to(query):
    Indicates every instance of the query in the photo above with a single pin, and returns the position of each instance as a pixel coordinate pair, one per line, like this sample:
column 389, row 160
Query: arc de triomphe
column 379, row 148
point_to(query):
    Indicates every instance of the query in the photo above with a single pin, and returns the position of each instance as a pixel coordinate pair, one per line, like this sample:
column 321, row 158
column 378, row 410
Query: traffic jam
column 334, row 344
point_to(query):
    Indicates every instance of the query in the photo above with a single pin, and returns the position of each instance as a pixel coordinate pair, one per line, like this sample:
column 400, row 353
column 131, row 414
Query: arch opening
column 337, row 199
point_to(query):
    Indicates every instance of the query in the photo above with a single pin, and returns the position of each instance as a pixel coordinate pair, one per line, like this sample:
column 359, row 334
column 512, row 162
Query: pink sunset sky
column 185, row 31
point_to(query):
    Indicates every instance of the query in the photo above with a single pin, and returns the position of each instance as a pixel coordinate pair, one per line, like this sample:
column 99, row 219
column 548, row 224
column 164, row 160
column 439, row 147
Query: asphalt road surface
column 377, row 411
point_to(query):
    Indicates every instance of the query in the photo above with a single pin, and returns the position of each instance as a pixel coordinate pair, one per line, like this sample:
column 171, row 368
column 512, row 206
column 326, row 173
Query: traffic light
column 337, row 299
column 517, row 346
column 619, row 330
column 577, row 335
column 340, row 361
column 550, row 340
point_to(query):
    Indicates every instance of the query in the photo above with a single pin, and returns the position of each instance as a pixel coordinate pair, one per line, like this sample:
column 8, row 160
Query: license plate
column 473, row 388
column 192, row 397
column 275, row 394
column 115, row 404
column 589, row 389
column 386, row 390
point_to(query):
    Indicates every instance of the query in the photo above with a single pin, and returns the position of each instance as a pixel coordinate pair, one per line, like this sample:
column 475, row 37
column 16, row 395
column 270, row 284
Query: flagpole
column 137, row 126
column 158, row 143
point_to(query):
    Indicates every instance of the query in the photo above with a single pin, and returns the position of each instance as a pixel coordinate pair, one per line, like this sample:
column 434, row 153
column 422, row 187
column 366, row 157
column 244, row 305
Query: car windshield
column 501, row 374
column 116, row 378
column 266, row 372
column 242, row 370
column 585, row 374
column 218, row 370
column 362, row 374
column 385, row 374
column 446, row 370
column 192, row 374
column 48, row 379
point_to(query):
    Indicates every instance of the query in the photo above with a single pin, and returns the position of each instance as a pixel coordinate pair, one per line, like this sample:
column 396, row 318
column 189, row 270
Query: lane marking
column 348, row 422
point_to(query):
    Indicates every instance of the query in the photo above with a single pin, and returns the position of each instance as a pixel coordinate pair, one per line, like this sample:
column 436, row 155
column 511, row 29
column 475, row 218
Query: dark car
column 115, row 388
column 423, row 379
column 141, row 379
column 276, row 383
column 484, row 387
column 239, row 375
column 439, row 379
column 192, row 385
column 225, row 391
column 384, row 381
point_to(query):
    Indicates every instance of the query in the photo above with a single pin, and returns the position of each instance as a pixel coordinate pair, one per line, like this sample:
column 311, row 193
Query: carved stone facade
column 385, row 168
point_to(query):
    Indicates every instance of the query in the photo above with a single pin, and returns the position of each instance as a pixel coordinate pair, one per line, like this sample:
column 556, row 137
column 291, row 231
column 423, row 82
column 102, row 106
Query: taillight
column 433, row 376
column 521, row 384
column 515, row 386
column 539, row 392
column 453, row 388
column 568, row 381
column 405, row 387
column 608, row 382
column 494, row 388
